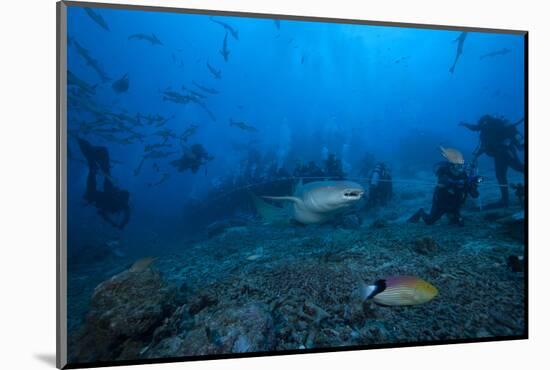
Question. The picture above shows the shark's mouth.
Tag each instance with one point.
(353, 194)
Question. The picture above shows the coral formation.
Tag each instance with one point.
(425, 245)
(124, 311)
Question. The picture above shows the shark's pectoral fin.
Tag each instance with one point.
(292, 199)
(267, 211)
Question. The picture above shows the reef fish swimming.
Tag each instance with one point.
(319, 201)
(121, 85)
(459, 49)
(142, 264)
(452, 155)
(399, 291)
(97, 18)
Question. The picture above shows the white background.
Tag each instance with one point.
(27, 182)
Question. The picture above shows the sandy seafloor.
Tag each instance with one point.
(269, 287)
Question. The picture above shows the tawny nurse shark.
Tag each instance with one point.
(319, 201)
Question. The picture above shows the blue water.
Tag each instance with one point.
(308, 88)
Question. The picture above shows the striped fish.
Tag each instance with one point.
(452, 155)
(399, 291)
(142, 264)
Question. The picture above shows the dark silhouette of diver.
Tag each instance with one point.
(112, 200)
(454, 185)
(519, 191)
(380, 186)
(499, 139)
(192, 159)
(460, 47)
(311, 170)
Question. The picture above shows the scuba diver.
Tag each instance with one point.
(454, 184)
(380, 186)
(311, 170)
(333, 167)
(519, 191)
(112, 200)
(192, 159)
(501, 140)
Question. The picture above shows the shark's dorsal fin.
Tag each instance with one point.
(298, 187)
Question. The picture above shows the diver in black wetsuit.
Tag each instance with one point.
(519, 191)
(308, 172)
(499, 139)
(454, 185)
(380, 186)
(192, 159)
(112, 200)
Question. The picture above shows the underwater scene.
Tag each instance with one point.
(248, 185)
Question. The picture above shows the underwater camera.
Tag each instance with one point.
(224, 191)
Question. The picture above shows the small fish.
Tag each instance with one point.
(97, 18)
(121, 85)
(165, 176)
(195, 93)
(93, 63)
(243, 126)
(216, 73)
(74, 80)
(399, 291)
(176, 97)
(165, 134)
(208, 111)
(460, 47)
(137, 170)
(190, 131)
(206, 89)
(153, 39)
(224, 50)
(277, 23)
(402, 59)
(157, 154)
(227, 27)
(452, 155)
(142, 264)
(150, 147)
(495, 53)
(113, 243)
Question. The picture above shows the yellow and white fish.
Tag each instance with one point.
(142, 264)
(399, 291)
(452, 155)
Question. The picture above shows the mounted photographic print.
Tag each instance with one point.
(235, 184)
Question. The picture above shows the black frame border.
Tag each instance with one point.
(61, 337)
